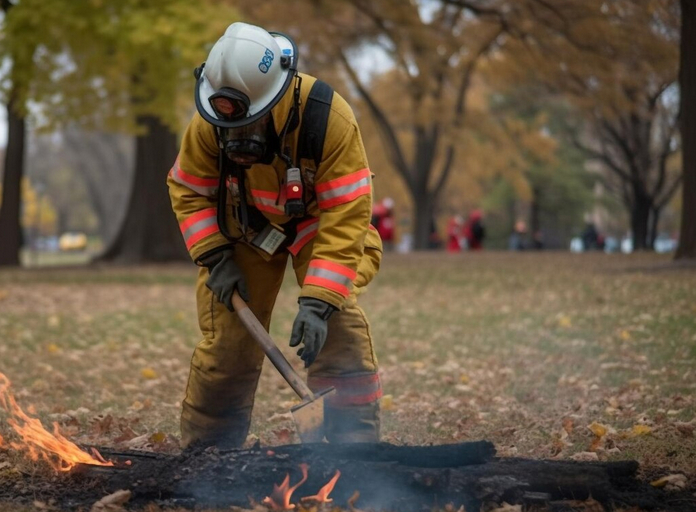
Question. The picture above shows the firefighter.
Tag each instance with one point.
(248, 198)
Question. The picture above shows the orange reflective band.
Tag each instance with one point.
(203, 186)
(350, 389)
(199, 225)
(306, 230)
(267, 201)
(330, 275)
(344, 189)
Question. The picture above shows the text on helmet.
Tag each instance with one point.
(266, 61)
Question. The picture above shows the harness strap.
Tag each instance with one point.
(315, 118)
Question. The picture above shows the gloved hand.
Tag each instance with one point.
(310, 327)
(225, 276)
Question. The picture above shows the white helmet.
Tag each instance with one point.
(247, 72)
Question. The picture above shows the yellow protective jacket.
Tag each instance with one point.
(338, 197)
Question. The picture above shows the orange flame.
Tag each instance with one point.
(38, 443)
(323, 495)
(280, 497)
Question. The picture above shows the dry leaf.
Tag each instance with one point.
(52, 348)
(126, 435)
(148, 373)
(280, 417)
(284, 435)
(506, 507)
(640, 430)
(387, 403)
(598, 429)
(158, 437)
(568, 425)
(112, 501)
(685, 429)
(585, 456)
(670, 482)
(101, 425)
(565, 321)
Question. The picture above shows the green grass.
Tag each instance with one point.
(506, 347)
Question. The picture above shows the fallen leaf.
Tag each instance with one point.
(597, 443)
(281, 417)
(640, 430)
(585, 456)
(387, 403)
(102, 424)
(158, 437)
(4, 294)
(126, 435)
(136, 406)
(564, 321)
(464, 379)
(506, 507)
(53, 321)
(670, 482)
(283, 435)
(112, 501)
(52, 348)
(625, 335)
(568, 425)
(598, 429)
(148, 373)
(685, 429)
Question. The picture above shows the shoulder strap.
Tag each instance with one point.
(314, 121)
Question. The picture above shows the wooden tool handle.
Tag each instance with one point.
(269, 347)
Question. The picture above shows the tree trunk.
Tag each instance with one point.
(640, 220)
(425, 231)
(535, 211)
(687, 84)
(654, 225)
(10, 225)
(150, 232)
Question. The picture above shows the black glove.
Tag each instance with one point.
(310, 327)
(225, 276)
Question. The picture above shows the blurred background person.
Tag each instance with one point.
(517, 240)
(455, 233)
(385, 223)
(474, 231)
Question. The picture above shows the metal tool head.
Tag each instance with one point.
(309, 417)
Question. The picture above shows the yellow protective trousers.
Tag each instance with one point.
(226, 364)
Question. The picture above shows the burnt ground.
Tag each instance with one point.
(387, 477)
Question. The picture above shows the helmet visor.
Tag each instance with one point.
(229, 104)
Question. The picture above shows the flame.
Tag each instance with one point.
(280, 497)
(38, 443)
(323, 495)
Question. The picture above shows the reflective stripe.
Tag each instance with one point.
(333, 276)
(344, 189)
(204, 186)
(306, 230)
(350, 389)
(199, 225)
(266, 201)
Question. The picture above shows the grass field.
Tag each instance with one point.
(546, 355)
